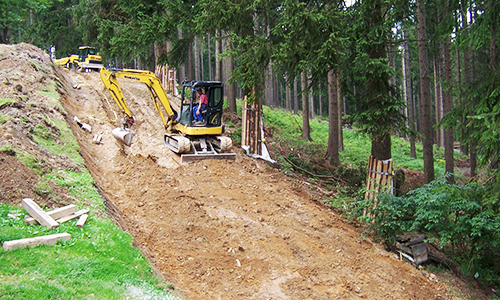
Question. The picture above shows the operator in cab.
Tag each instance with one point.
(203, 102)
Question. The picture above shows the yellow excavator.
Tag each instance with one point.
(88, 58)
(193, 140)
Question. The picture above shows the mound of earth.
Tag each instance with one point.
(214, 229)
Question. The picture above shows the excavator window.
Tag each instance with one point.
(216, 97)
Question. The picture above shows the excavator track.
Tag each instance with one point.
(221, 143)
(178, 143)
(209, 148)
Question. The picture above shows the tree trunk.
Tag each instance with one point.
(437, 100)
(447, 107)
(230, 87)
(409, 94)
(473, 153)
(209, 41)
(425, 99)
(288, 103)
(333, 118)
(218, 58)
(339, 101)
(197, 75)
(311, 98)
(305, 107)
(295, 96)
(464, 147)
(381, 141)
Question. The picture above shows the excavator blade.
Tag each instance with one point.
(200, 156)
(124, 135)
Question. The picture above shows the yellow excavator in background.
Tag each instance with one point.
(87, 59)
(193, 140)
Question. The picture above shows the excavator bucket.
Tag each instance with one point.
(124, 135)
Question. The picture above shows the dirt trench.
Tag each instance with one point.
(227, 229)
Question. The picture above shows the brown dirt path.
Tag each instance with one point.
(228, 229)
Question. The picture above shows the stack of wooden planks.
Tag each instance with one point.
(50, 219)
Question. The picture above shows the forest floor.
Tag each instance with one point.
(214, 229)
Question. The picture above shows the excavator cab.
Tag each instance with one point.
(212, 114)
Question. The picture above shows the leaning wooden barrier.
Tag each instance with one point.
(380, 178)
(251, 127)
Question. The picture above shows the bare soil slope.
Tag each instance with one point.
(224, 229)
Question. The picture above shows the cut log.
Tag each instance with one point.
(82, 220)
(55, 214)
(38, 214)
(73, 216)
(49, 240)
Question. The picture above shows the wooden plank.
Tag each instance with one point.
(55, 214)
(49, 240)
(73, 216)
(38, 214)
(82, 220)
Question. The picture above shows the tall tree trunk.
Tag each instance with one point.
(320, 106)
(218, 58)
(409, 93)
(339, 102)
(230, 87)
(182, 67)
(381, 141)
(473, 153)
(447, 107)
(464, 147)
(295, 96)
(197, 75)
(209, 41)
(333, 119)
(311, 97)
(425, 99)
(288, 104)
(305, 107)
(438, 94)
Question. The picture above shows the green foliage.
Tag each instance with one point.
(4, 118)
(81, 186)
(97, 262)
(65, 142)
(6, 100)
(454, 216)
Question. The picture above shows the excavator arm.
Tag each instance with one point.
(109, 78)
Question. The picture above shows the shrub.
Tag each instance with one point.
(453, 216)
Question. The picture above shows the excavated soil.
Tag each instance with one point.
(216, 229)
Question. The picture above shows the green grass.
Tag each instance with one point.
(357, 145)
(66, 143)
(98, 262)
(6, 100)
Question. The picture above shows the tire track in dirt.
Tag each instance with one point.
(228, 229)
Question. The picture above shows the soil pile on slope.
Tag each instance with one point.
(219, 229)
